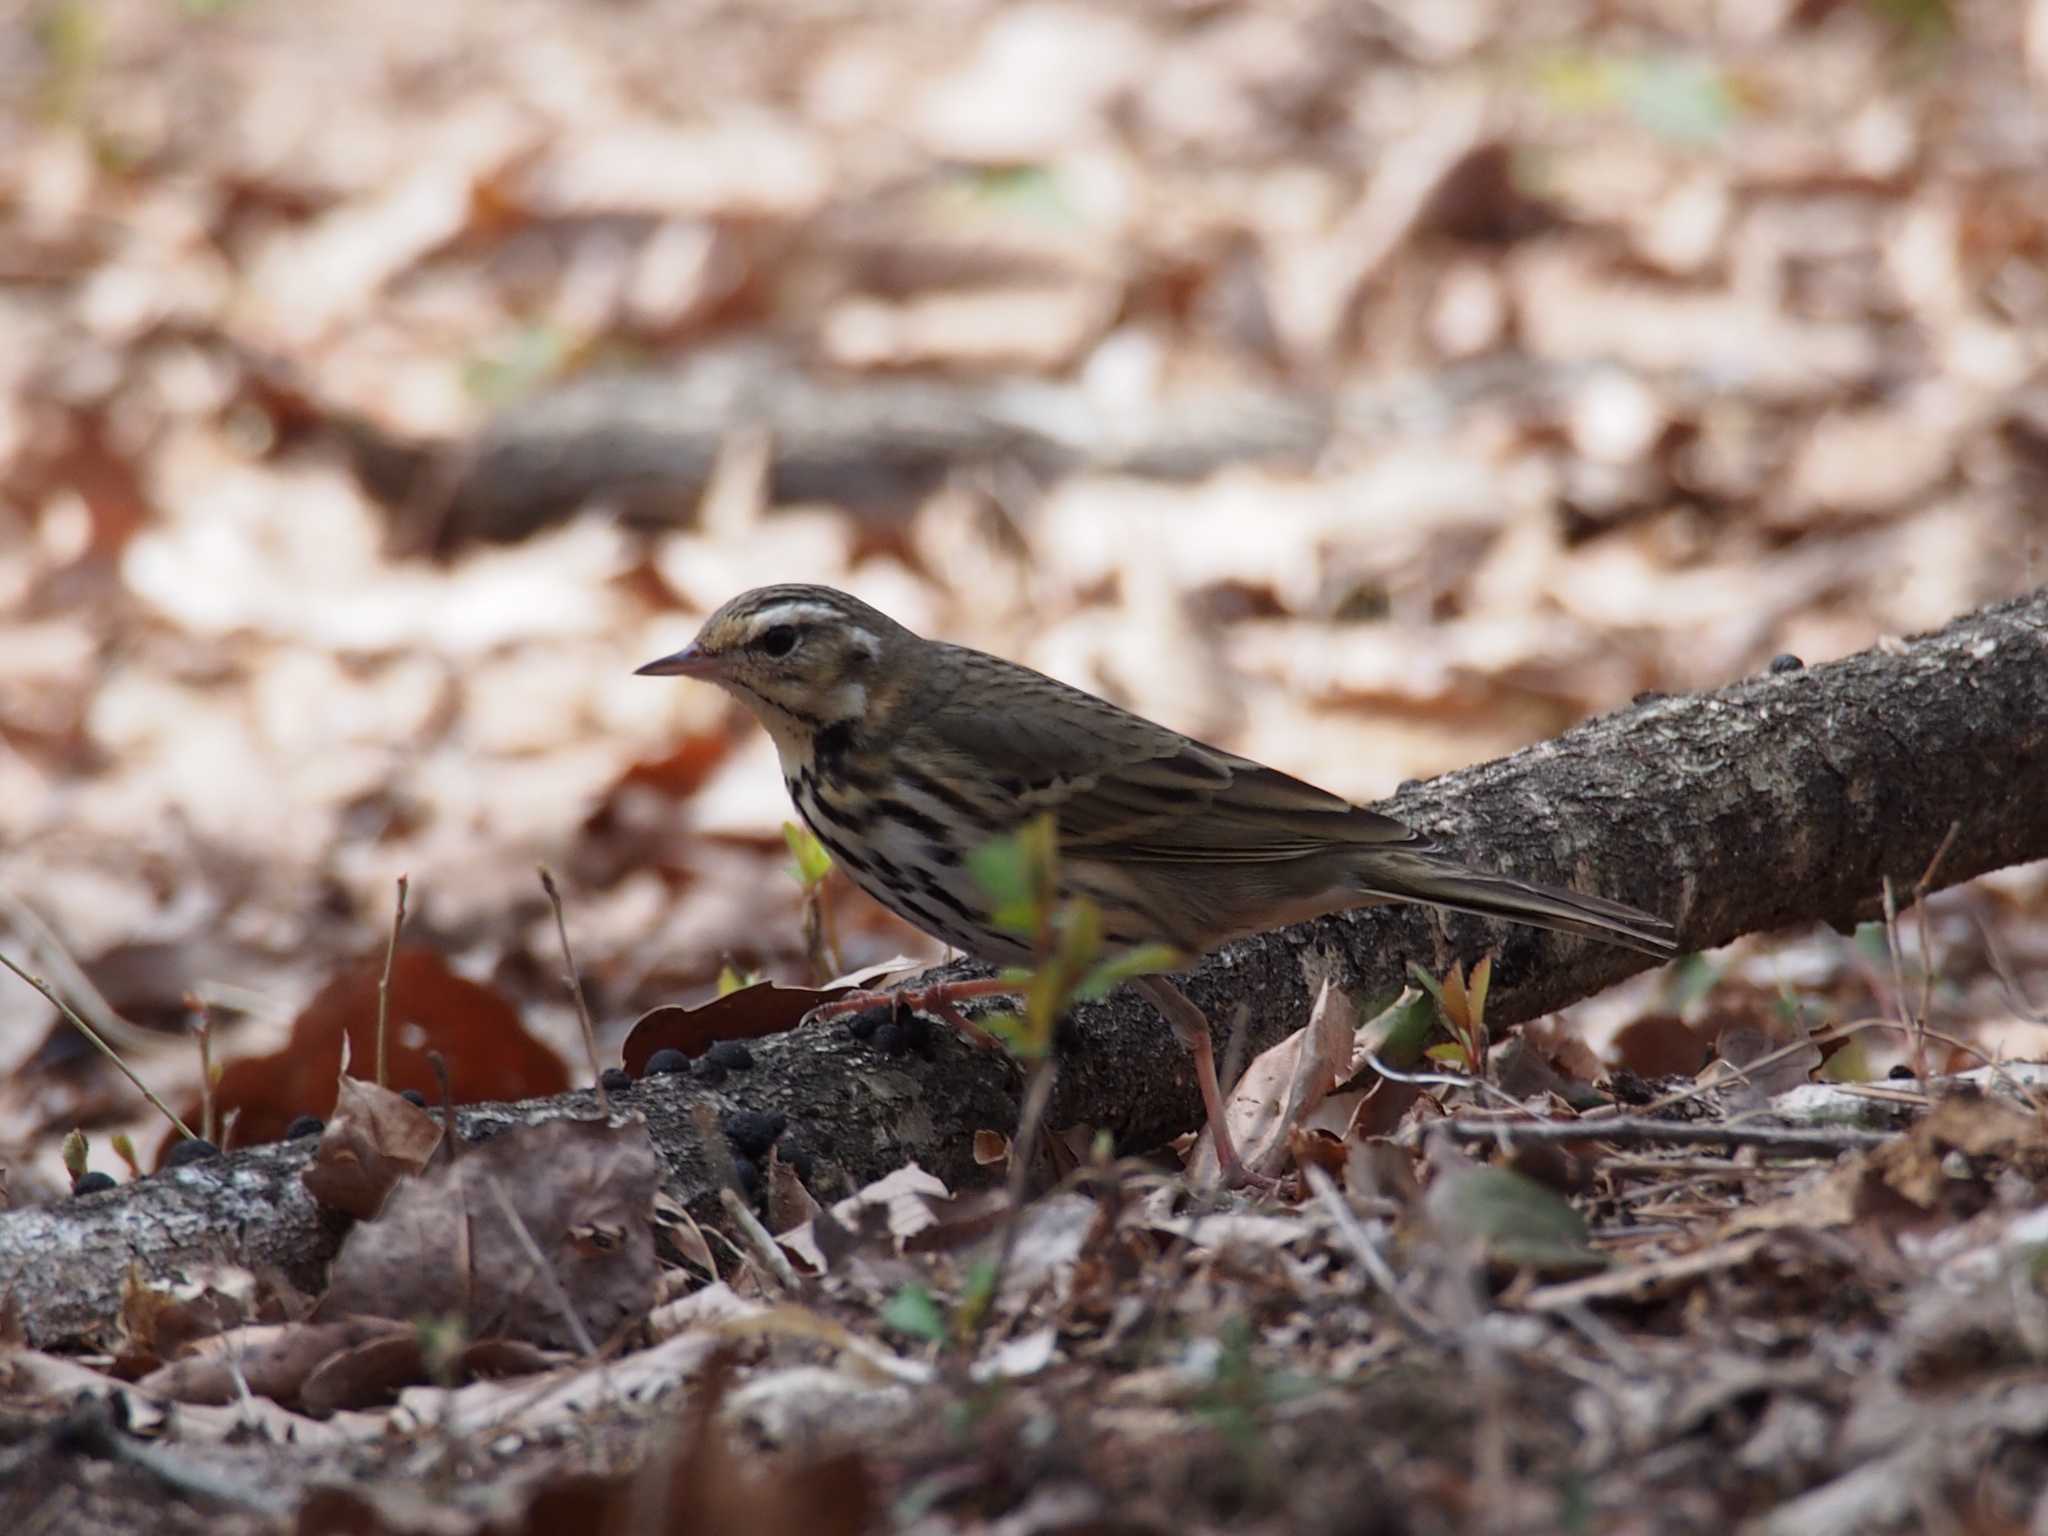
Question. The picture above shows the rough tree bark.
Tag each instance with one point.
(1787, 798)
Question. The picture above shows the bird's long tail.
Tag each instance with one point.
(1440, 881)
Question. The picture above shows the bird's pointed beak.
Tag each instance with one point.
(688, 662)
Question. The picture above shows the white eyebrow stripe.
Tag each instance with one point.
(791, 613)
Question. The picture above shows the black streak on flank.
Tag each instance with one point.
(853, 822)
(840, 852)
(949, 901)
(905, 814)
(941, 793)
(925, 917)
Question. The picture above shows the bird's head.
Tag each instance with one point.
(802, 658)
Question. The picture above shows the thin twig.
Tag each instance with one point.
(384, 987)
(547, 883)
(542, 1267)
(1442, 1080)
(1921, 888)
(2001, 966)
(759, 1243)
(47, 950)
(91, 1034)
(1638, 1133)
(1370, 1259)
(202, 1027)
(1891, 944)
(1037, 1094)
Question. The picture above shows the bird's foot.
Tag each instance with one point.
(941, 1000)
(1191, 1027)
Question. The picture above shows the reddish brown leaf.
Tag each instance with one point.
(1660, 1045)
(490, 1055)
(765, 1008)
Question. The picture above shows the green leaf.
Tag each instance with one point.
(1079, 926)
(1145, 960)
(74, 1153)
(1400, 1032)
(813, 863)
(731, 981)
(1019, 874)
(1514, 1219)
(1427, 982)
(1002, 871)
(976, 1295)
(1451, 1053)
(913, 1311)
(1012, 1028)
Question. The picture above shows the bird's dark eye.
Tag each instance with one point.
(777, 640)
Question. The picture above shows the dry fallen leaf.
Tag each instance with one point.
(1282, 1085)
(542, 1233)
(374, 1138)
(488, 1051)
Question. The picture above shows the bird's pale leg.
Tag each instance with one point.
(1191, 1027)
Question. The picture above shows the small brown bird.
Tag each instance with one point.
(903, 755)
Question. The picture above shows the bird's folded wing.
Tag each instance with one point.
(1123, 787)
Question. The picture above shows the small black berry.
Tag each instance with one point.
(868, 1020)
(731, 1055)
(92, 1183)
(193, 1149)
(753, 1131)
(615, 1079)
(304, 1125)
(891, 1039)
(1787, 662)
(749, 1176)
(413, 1097)
(665, 1061)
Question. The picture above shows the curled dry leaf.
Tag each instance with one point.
(160, 1320)
(446, 1243)
(375, 1138)
(372, 1372)
(789, 1203)
(275, 1360)
(1283, 1085)
(1759, 1068)
(765, 1008)
(903, 1200)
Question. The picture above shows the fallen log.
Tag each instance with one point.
(1783, 799)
